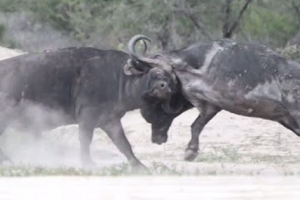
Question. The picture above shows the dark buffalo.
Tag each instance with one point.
(83, 86)
(245, 79)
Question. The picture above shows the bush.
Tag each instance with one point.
(171, 24)
(74, 17)
(2, 30)
(6, 42)
(291, 52)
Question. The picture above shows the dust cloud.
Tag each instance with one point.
(39, 139)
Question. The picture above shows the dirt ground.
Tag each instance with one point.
(229, 145)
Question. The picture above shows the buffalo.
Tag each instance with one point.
(245, 79)
(84, 86)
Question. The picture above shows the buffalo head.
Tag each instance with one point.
(161, 83)
(160, 120)
(164, 101)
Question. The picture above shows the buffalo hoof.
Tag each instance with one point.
(139, 168)
(89, 164)
(190, 155)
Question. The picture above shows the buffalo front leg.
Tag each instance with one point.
(116, 133)
(290, 123)
(207, 112)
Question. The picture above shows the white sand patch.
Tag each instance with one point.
(146, 188)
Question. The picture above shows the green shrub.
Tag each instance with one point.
(2, 30)
(5, 42)
(291, 52)
(74, 17)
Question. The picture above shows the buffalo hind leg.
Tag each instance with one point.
(207, 112)
(8, 111)
(116, 133)
(3, 157)
(87, 124)
(85, 138)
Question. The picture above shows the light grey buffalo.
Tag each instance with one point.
(245, 79)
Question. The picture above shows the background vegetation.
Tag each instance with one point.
(35, 25)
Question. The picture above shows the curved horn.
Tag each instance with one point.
(132, 43)
(134, 55)
(166, 106)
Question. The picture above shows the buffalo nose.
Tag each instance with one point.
(163, 85)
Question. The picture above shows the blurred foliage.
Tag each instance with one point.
(270, 22)
(291, 52)
(173, 23)
(76, 17)
(6, 42)
(2, 30)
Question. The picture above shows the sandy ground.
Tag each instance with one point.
(156, 188)
(230, 145)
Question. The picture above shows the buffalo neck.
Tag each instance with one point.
(131, 90)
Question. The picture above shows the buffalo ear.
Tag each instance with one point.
(129, 69)
(135, 67)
